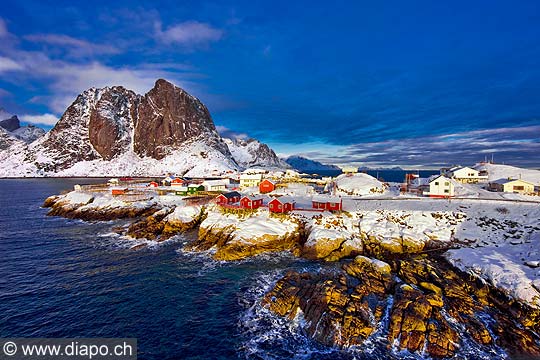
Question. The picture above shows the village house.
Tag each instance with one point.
(251, 202)
(267, 186)
(153, 184)
(516, 186)
(178, 182)
(326, 202)
(167, 181)
(282, 204)
(118, 191)
(349, 170)
(228, 198)
(250, 180)
(194, 188)
(214, 185)
(464, 174)
(440, 187)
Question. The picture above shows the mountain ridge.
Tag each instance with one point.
(113, 131)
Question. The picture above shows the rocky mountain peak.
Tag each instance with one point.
(10, 123)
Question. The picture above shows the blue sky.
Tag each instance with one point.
(416, 83)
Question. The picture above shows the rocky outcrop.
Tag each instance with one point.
(83, 207)
(420, 305)
(167, 117)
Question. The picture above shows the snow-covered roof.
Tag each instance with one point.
(321, 198)
(194, 185)
(232, 194)
(181, 188)
(214, 183)
(506, 181)
(285, 199)
(435, 177)
(252, 197)
(251, 177)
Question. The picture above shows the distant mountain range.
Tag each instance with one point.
(303, 164)
(11, 124)
(113, 132)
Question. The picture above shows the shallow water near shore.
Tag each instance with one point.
(69, 278)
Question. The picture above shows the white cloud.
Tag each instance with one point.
(6, 64)
(44, 119)
(189, 34)
(75, 47)
(230, 134)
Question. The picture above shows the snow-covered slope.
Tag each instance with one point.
(496, 171)
(250, 152)
(306, 165)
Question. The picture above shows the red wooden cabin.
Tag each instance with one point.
(329, 203)
(281, 205)
(228, 198)
(153, 184)
(118, 191)
(267, 186)
(251, 202)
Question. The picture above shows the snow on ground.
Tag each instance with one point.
(496, 171)
(511, 267)
(252, 228)
(184, 214)
(358, 184)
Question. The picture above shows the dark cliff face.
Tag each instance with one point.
(167, 117)
(11, 124)
(111, 123)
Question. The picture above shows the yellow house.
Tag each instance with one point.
(250, 180)
(516, 186)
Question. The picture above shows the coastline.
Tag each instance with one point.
(369, 233)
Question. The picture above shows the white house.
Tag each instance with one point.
(214, 185)
(516, 186)
(440, 187)
(465, 175)
(250, 180)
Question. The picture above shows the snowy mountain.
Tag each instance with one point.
(250, 152)
(115, 132)
(11, 124)
(306, 165)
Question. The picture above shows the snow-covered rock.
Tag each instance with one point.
(358, 184)
(497, 171)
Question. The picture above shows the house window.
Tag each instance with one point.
(436, 183)
(518, 188)
(279, 207)
(271, 206)
(447, 184)
(446, 191)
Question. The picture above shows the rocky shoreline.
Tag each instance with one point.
(394, 287)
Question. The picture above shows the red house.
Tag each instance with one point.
(228, 198)
(267, 186)
(178, 182)
(281, 204)
(330, 203)
(118, 191)
(153, 184)
(251, 202)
